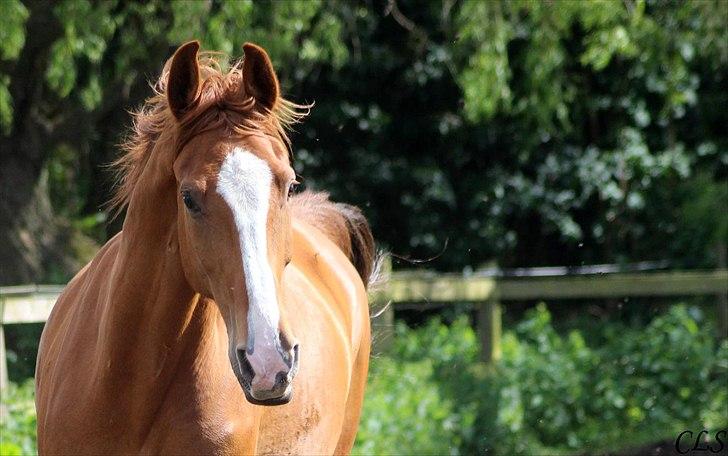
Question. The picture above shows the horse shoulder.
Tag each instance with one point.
(322, 261)
(68, 337)
(332, 322)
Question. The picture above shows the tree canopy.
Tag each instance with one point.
(516, 132)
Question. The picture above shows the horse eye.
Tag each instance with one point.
(190, 202)
(292, 188)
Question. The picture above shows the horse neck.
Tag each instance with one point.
(150, 318)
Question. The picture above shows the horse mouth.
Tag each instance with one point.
(281, 400)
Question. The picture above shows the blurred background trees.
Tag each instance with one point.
(520, 133)
(506, 132)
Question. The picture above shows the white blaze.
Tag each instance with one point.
(244, 183)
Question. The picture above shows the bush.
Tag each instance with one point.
(17, 430)
(640, 386)
(404, 409)
(550, 393)
(542, 381)
(414, 399)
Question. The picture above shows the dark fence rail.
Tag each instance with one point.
(427, 290)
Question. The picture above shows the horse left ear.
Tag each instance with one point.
(259, 78)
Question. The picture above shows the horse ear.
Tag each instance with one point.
(184, 79)
(259, 78)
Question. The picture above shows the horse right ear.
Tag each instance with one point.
(259, 78)
(184, 79)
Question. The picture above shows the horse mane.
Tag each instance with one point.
(343, 224)
(222, 102)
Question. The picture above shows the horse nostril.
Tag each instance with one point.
(295, 354)
(246, 370)
(281, 380)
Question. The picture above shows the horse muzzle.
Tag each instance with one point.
(266, 374)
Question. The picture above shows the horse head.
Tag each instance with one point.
(234, 180)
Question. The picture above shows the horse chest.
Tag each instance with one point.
(310, 424)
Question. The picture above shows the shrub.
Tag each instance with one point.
(17, 429)
(671, 376)
(551, 393)
(641, 385)
(542, 381)
(413, 400)
(405, 410)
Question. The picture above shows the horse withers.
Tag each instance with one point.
(225, 292)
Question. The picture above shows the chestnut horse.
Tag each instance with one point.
(223, 294)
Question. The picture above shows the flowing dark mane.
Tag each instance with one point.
(222, 103)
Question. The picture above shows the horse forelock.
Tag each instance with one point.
(221, 103)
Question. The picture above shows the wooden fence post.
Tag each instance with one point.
(3, 358)
(722, 326)
(489, 330)
(3, 363)
(722, 298)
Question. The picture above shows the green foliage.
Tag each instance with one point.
(645, 383)
(424, 422)
(12, 39)
(485, 79)
(6, 105)
(177, 22)
(606, 89)
(698, 208)
(543, 378)
(520, 131)
(17, 430)
(551, 393)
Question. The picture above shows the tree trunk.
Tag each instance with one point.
(30, 234)
(33, 242)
